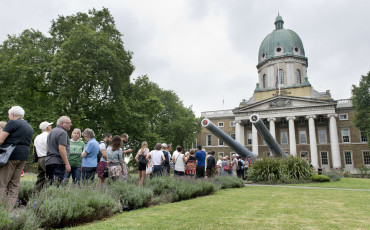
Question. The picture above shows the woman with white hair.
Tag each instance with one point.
(20, 132)
(89, 156)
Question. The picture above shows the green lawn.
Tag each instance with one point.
(255, 208)
(354, 183)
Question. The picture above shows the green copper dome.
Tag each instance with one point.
(280, 42)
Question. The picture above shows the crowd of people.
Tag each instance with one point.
(60, 157)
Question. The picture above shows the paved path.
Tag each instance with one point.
(287, 186)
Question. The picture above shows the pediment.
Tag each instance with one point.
(283, 102)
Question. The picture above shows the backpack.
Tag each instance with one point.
(239, 167)
(100, 155)
(167, 159)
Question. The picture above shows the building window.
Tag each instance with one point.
(302, 137)
(281, 77)
(347, 157)
(345, 135)
(232, 123)
(209, 140)
(249, 140)
(324, 158)
(284, 137)
(363, 137)
(232, 135)
(283, 121)
(301, 120)
(221, 154)
(220, 124)
(220, 142)
(343, 116)
(366, 155)
(264, 81)
(322, 136)
(298, 74)
(320, 119)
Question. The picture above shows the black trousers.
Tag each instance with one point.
(200, 171)
(55, 172)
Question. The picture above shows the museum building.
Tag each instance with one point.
(305, 122)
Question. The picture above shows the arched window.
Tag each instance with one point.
(264, 81)
(298, 73)
(281, 77)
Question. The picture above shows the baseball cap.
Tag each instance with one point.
(44, 125)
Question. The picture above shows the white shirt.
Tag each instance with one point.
(219, 162)
(102, 146)
(40, 144)
(156, 155)
(180, 164)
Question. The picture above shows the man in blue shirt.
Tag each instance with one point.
(201, 162)
(89, 156)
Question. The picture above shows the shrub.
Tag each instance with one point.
(363, 170)
(284, 170)
(298, 168)
(70, 205)
(160, 185)
(25, 191)
(225, 182)
(184, 189)
(180, 188)
(131, 195)
(20, 218)
(320, 178)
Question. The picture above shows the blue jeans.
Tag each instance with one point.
(76, 174)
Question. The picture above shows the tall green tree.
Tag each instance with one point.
(361, 102)
(82, 70)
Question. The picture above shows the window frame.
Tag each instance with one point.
(343, 136)
(345, 158)
(234, 135)
(281, 137)
(363, 137)
(281, 77)
(318, 135)
(367, 159)
(298, 76)
(208, 141)
(327, 157)
(232, 123)
(341, 118)
(220, 141)
(305, 136)
(251, 138)
(219, 124)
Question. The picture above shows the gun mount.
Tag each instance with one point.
(239, 149)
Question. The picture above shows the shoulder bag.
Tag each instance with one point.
(142, 159)
(6, 152)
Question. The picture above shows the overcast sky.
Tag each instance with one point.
(206, 50)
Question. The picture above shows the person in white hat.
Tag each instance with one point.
(40, 147)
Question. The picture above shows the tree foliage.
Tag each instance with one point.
(82, 70)
(361, 102)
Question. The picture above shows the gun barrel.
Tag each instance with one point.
(239, 149)
(266, 135)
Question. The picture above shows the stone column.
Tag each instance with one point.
(254, 140)
(292, 142)
(239, 132)
(334, 142)
(313, 144)
(272, 126)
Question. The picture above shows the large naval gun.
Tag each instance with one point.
(239, 149)
(266, 136)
